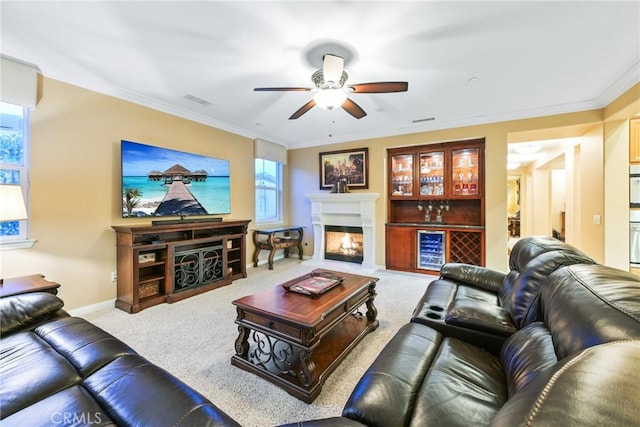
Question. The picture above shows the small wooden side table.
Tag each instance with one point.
(272, 239)
(27, 284)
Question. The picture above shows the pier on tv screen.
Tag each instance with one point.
(158, 182)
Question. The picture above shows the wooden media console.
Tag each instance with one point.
(169, 262)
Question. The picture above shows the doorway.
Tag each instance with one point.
(513, 209)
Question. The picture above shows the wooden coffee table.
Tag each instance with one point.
(294, 340)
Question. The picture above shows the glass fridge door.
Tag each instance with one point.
(431, 249)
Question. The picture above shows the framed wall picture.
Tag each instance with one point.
(350, 164)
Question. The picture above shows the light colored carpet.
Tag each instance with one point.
(194, 340)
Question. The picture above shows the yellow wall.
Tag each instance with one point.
(75, 180)
(75, 183)
(616, 176)
(303, 169)
(591, 194)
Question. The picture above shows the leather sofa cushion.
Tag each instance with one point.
(136, 389)
(585, 305)
(70, 406)
(30, 369)
(385, 394)
(465, 386)
(480, 317)
(477, 295)
(594, 387)
(86, 346)
(527, 353)
(19, 311)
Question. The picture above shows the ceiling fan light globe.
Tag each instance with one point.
(330, 98)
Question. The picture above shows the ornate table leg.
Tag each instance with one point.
(256, 251)
(372, 311)
(272, 251)
(242, 343)
(307, 374)
(300, 234)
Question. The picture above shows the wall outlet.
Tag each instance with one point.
(114, 276)
(596, 219)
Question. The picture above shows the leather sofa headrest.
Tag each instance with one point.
(589, 304)
(530, 247)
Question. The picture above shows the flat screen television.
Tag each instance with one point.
(160, 182)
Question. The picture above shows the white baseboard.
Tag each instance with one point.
(343, 266)
(109, 304)
(277, 257)
(104, 305)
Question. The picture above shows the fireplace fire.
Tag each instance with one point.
(343, 243)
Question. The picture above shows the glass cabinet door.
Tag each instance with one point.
(465, 168)
(402, 175)
(432, 173)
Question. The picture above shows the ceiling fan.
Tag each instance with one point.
(331, 91)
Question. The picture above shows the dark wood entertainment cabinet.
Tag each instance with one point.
(169, 262)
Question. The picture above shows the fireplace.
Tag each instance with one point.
(346, 210)
(343, 243)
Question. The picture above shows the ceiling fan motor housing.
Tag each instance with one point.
(318, 80)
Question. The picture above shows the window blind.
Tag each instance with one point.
(18, 83)
(270, 151)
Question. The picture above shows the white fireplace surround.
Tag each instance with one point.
(344, 209)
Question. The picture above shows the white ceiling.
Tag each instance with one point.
(466, 62)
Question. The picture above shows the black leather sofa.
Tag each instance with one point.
(483, 306)
(576, 364)
(61, 370)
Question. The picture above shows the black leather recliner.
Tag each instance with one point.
(484, 306)
(576, 366)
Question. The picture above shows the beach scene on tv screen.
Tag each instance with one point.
(163, 182)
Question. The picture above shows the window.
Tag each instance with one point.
(14, 150)
(268, 190)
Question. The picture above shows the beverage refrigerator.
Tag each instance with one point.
(431, 249)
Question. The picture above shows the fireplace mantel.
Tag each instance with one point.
(347, 209)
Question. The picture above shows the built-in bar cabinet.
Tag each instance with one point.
(435, 209)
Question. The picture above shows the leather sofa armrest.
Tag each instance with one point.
(473, 275)
(23, 311)
(480, 317)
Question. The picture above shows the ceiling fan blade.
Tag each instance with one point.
(354, 109)
(380, 87)
(282, 89)
(306, 107)
(332, 67)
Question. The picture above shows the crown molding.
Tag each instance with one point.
(628, 79)
(620, 86)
